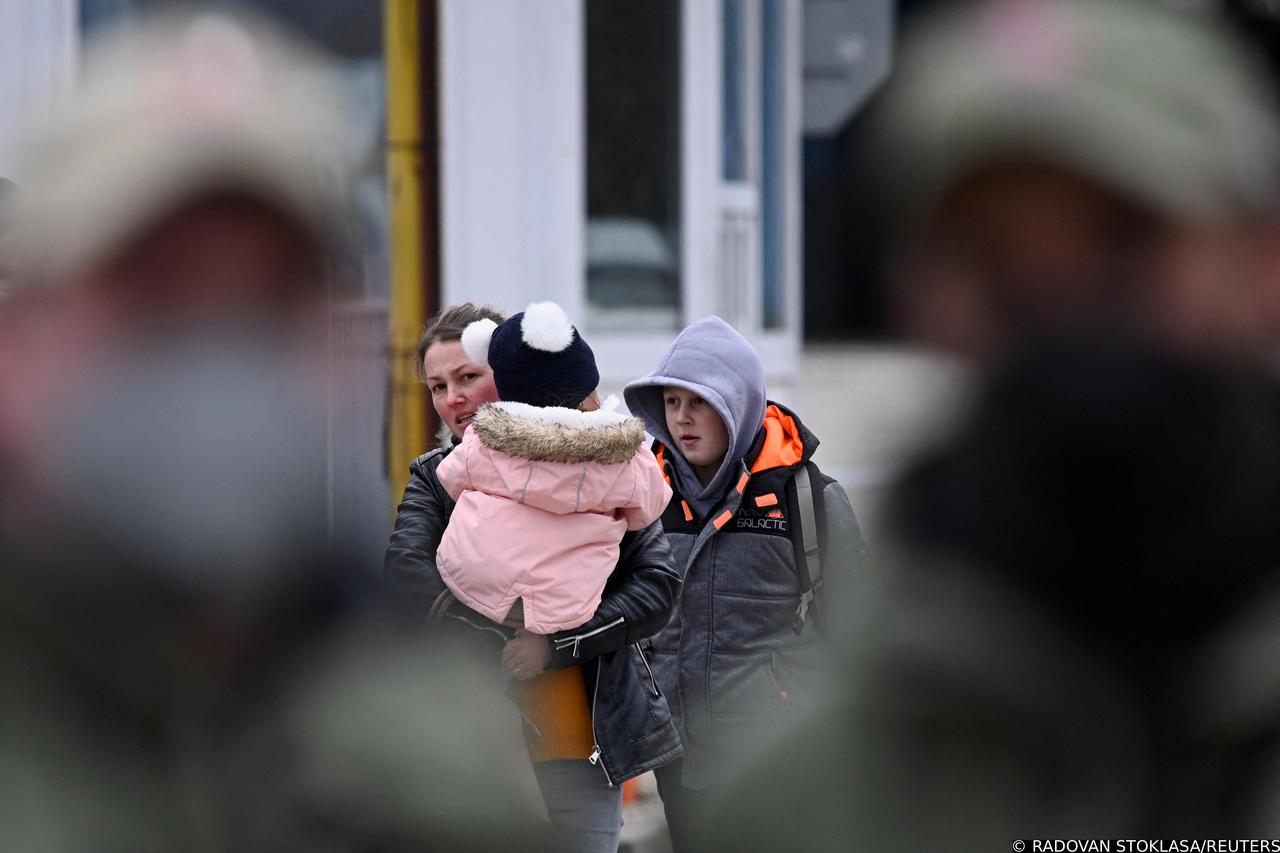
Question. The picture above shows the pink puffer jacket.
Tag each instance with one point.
(544, 496)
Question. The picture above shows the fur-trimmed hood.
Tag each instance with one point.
(543, 497)
(554, 434)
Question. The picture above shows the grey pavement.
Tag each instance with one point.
(644, 829)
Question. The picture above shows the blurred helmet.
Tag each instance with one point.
(1162, 106)
(173, 108)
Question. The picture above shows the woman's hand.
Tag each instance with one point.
(526, 656)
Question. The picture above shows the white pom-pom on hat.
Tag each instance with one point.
(475, 340)
(546, 327)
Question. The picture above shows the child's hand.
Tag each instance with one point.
(527, 655)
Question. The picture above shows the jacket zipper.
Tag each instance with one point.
(596, 756)
(574, 641)
(645, 661)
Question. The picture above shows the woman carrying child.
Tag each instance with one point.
(594, 716)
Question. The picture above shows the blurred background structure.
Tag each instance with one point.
(643, 163)
(639, 163)
(190, 655)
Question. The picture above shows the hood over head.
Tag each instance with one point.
(711, 359)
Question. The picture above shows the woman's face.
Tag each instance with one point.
(457, 384)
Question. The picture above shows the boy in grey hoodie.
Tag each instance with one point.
(738, 650)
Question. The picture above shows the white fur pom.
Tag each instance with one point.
(475, 340)
(545, 327)
(610, 404)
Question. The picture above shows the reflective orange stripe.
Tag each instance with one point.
(688, 513)
(777, 513)
(723, 519)
(742, 482)
(767, 500)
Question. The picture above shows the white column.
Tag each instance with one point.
(700, 162)
(512, 152)
(780, 348)
(792, 157)
(39, 40)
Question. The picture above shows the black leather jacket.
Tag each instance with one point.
(631, 720)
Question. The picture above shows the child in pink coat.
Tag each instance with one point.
(546, 481)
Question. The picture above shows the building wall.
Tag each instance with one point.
(511, 152)
(513, 166)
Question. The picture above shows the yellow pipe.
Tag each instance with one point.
(407, 428)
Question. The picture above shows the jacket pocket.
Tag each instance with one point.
(783, 681)
(642, 707)
(648, 670)
(799, 672)
(755, 566)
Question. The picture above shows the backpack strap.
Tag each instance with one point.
(808, 547)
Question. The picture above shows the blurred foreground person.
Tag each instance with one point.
(1074, 636)
(180, 668)
(1059, 165)
(1071, 631)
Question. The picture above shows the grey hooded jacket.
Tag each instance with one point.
(730, 659)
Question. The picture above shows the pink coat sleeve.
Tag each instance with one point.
(651, 492)
(452, 470)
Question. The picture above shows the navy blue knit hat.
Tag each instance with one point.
(537, 357)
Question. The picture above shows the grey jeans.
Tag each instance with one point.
(586, 814)
(687, 811)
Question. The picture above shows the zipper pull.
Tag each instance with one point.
(595, 754)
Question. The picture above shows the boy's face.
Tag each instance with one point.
(696, 429)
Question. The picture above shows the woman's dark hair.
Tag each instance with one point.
(448, 326)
